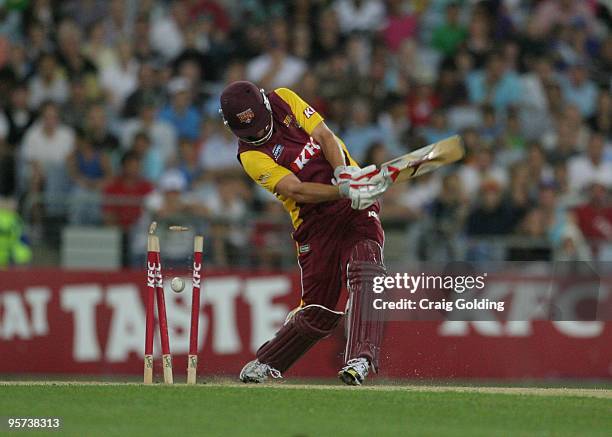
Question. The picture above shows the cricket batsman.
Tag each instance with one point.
(285, 146)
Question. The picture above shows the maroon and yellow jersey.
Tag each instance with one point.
(291, 149)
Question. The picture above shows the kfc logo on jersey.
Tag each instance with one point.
(311, 150)
(309, 112)
(246, 116)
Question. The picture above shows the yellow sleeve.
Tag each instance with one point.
(263, 169)
(306, 115)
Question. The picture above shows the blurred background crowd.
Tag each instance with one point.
(108, 119)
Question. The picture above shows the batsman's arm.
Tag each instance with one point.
(306, 192)
(279, 180)
(332, 150)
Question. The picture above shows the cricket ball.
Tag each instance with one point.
(177, 284)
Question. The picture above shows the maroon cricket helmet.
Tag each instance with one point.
(246, 111)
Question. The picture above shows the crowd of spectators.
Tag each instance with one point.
(108, 114)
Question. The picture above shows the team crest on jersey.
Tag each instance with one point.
(246, 116)
(287, 121)
(309, 112)
(277, 150)
(311, 150)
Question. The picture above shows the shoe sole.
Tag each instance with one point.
(250, 381)
(348, 378)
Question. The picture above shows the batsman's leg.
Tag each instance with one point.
(365, 325)
(299, 333)
(320, 261)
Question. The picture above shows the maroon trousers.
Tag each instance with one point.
(325, 244)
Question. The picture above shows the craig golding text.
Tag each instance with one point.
(438, 305)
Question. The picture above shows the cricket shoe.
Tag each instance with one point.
(355, 371)
(256, 372)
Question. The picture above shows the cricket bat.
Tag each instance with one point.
(426, 159)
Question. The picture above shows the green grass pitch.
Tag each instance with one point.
(223, 409)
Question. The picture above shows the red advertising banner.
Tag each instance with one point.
(63, 322)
